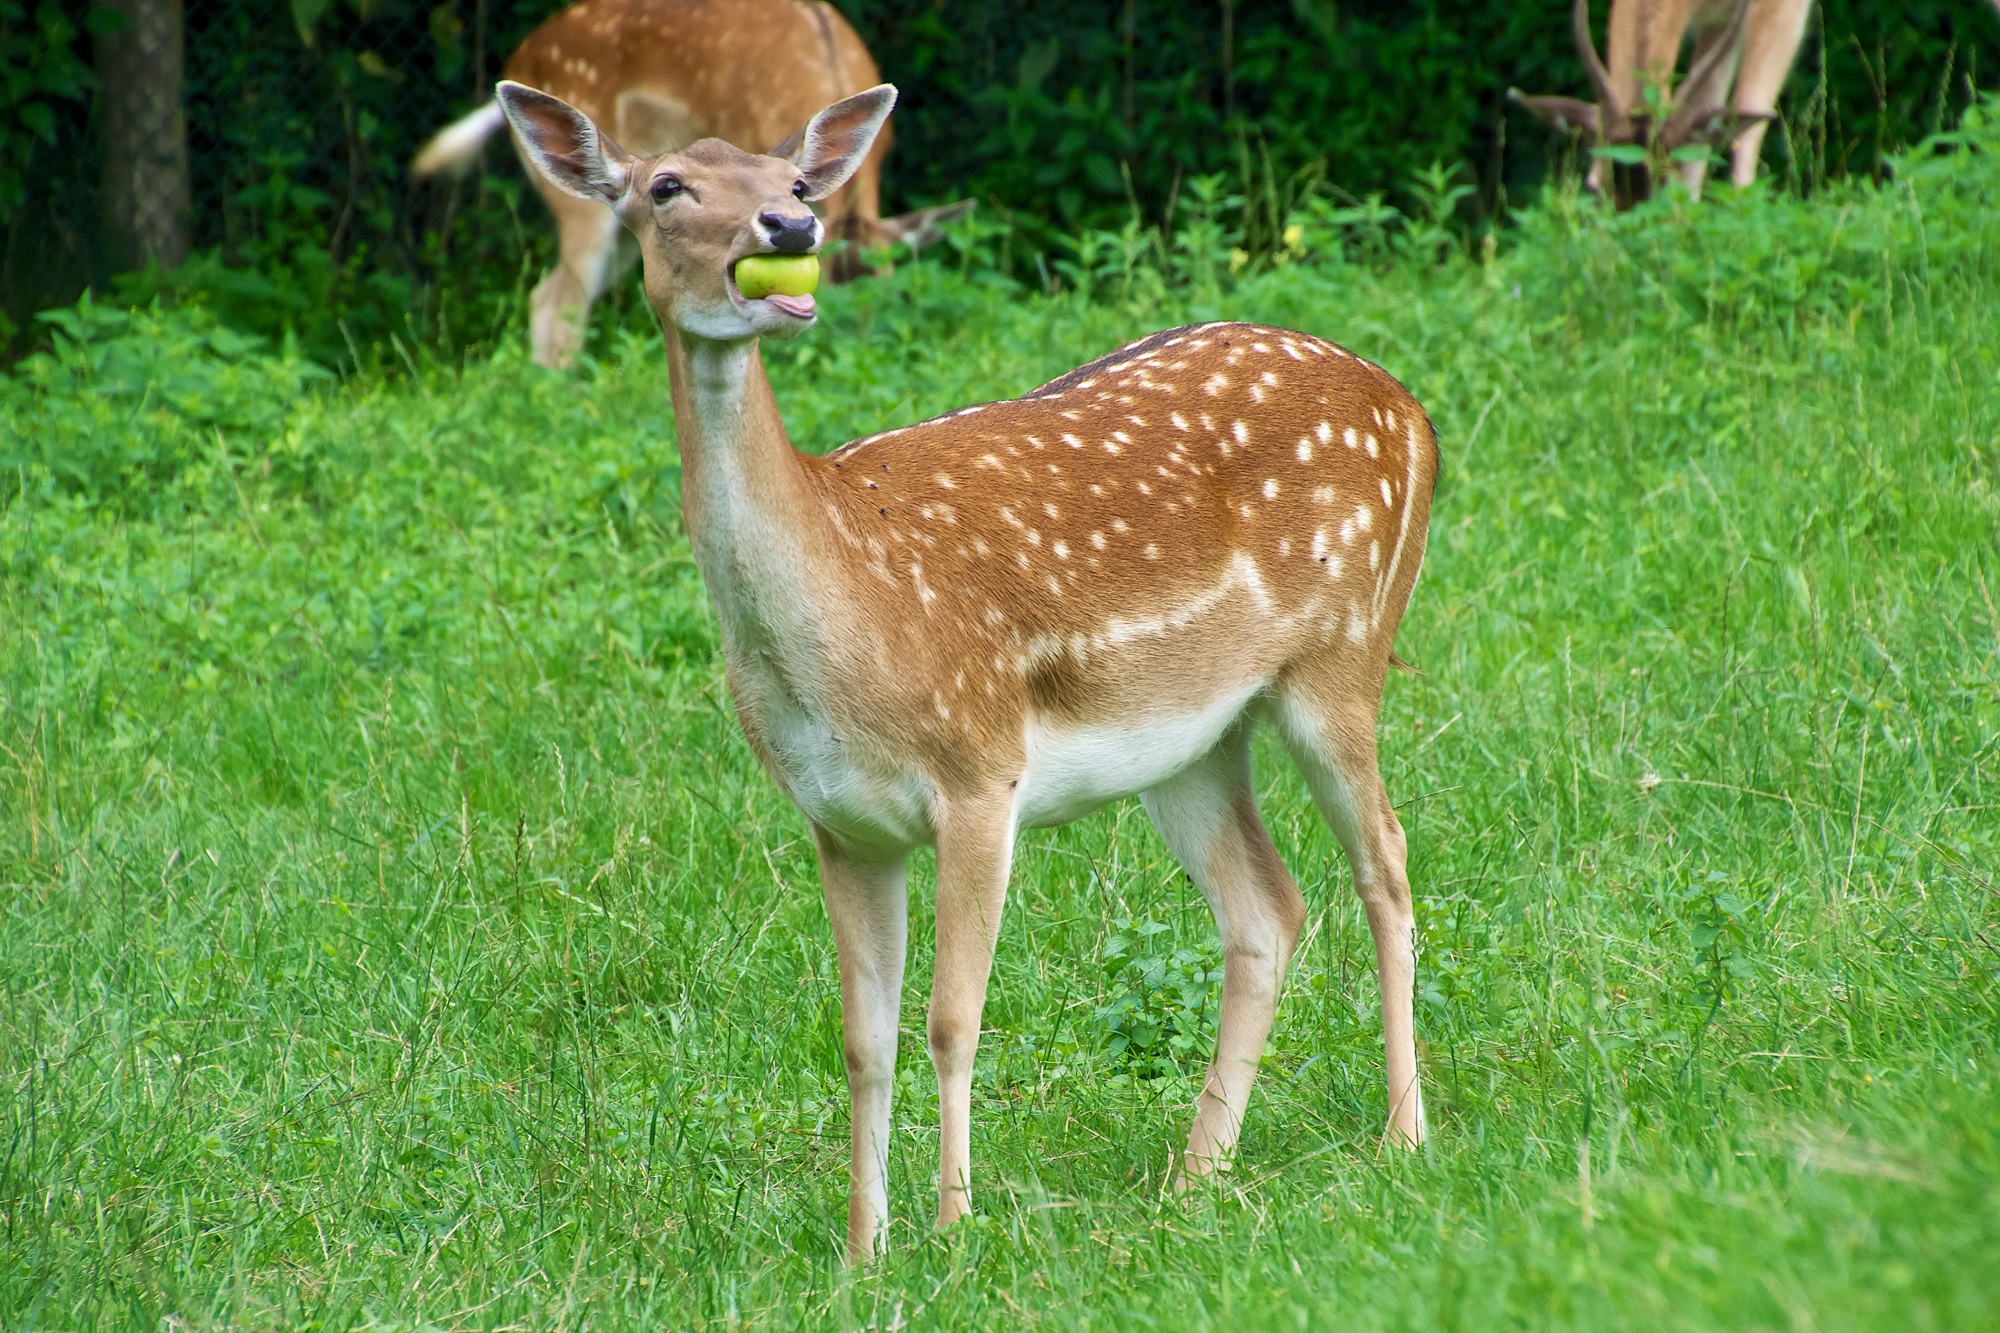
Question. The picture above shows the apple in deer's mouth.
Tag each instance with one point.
(785, 281)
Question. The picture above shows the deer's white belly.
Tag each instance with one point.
(1071, 772)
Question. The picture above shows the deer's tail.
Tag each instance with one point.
(455, 146)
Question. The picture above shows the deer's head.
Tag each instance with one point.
(698, 212)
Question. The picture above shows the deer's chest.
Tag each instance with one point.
(838, 783)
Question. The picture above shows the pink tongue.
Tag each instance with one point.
(801, 306)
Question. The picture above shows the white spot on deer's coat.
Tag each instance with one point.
(1364, 518)
(1374, 449)
(1097, 540)
(1241, 432)
(1357, 627)
(1351, 437)
(1323, 494)
(1374, 555)
(1180, 422)
(1270, 488)
(1305, 450)
(1215, 384)
(1388, 496)
(1061, 548)
(945, 481)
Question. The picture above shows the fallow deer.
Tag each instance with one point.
(662, 74)
(1013, 614)
(1743, 49)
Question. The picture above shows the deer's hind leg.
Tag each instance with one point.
(1328, 722)
(1208, 817)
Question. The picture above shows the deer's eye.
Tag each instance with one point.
(799, 190)
(665, 188)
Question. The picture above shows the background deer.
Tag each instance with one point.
(1743, 49)
(662, 74)
(1010, 615)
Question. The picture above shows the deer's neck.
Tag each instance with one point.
(744, 498)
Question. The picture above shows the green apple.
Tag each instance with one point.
(759, 276)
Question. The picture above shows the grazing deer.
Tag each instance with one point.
(1010, 615)
(1743, 49)
(662, 74)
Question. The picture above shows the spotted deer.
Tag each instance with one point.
(662, 74)
(1743, 49)
(1010, 615)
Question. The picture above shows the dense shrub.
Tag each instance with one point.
(126, 400)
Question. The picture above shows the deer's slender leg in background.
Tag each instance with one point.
(587, 245)
(1769, 47)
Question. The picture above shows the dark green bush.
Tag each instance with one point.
(127, 399)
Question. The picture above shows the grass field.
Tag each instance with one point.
(397, 931)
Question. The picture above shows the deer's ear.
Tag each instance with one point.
(563, 144)
(1562, 113)
(834, 143)
(926, 225)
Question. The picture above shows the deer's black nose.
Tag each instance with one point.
(789, 235)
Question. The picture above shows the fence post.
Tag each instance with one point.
(145, 135)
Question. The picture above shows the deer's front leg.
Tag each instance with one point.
(974, 852)
(866, 901)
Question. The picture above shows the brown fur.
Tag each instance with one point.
(1146, 515)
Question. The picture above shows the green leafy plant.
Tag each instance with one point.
(125, 400)
(1160, 1021)
(39, 66)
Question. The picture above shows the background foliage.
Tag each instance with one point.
(304, 113)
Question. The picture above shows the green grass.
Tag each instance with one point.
(398, 932)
